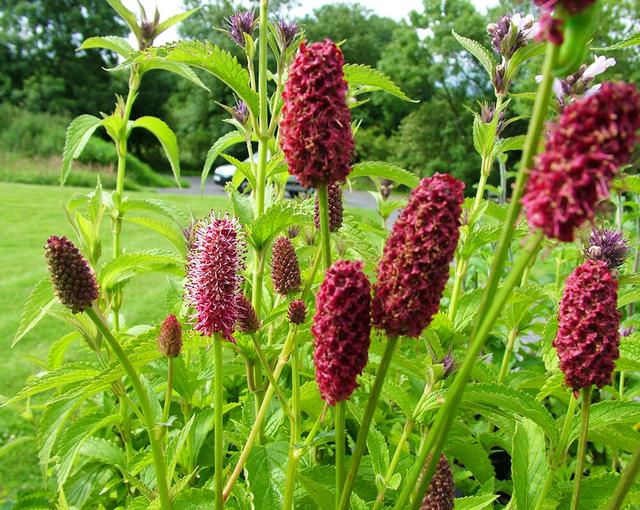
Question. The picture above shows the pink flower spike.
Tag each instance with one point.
(214, 262)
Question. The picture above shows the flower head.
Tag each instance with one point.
(341, 328)
(297, 312)
(241, 23)
(336, 209)
(607, 245)
(285, 269)
(248, 321)
(73, 279)
(315, 130)
(580, 82)
(510, 33)
(592, 139)
(440, 494)
(588, 333)
(240, 111)
(415, 263)
(287, 32)
(214, 263)
(170, 337)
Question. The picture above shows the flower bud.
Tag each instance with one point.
(297, 313)
(285, 269)
(607, 245)
(440, 494)
(241, 23)
(73, 279)
(248, 321)
(336, 209)
(170, 337)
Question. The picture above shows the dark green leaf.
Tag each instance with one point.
(167, 139)
(385, 171)
(40, 301)
(266, 468)
(78, 134)
(363, 78)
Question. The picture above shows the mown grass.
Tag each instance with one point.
(28, 215)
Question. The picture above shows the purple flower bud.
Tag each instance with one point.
(287, 32)
(607, 245)
(285, 269)
(624, 332)
(440, 495)
(240, 112)
(248, 321)
(510, 33)
(336, 209)
(241, 23)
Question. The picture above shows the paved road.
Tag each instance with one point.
(352, 198)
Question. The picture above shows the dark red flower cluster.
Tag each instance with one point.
(73, 279)
(415, 263)
(297, 312)
(589, 322)
(341, 328)
(571, 6)
(248, 321)
(285, 269)
(593, 138)
(315, 130)
(336, 208)
(440, 495)
(170, 337)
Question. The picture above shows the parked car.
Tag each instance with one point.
(294, 188)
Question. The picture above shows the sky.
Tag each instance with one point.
(397, 9)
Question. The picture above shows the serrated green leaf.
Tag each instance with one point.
(266, 468)
(221, 64)
(386, 171)
(364, 78)
(520, 56)
(629, 353)
(509, 402)
(58, 348)
(126, 15)
(108, 42)
(102, 450)
(167, 139)
(514, 143)
(40, 301)
(222, 144)
(634, 40)
(176, 445)
(596, 492)
(481, 54)
(150, 64)
(528, 464)
(167, 230)
(608, 413)
(463, 447)
(277, 217)
(628, 297)
(244, 171)
(322, 495)
(9, 446)
(73, 438)
(475, 502)
(242, 207)
(52, 422)
(161, 207)
(194, 499)
(126, 266)
(78, 134)
(174, 20)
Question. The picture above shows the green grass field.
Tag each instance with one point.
(28, 215)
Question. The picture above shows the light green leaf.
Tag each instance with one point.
(356, 239)
(161, 207)
(167, 230)
(629, 353)
(244, 171)
(475, 502)
(596, 492)
(40, 301)
(166, 137)
(528, 464)
(174, 20)
(222, 144)
(193, 499)
(322, 495)
(118, 44)
(78, 134)
(173, 67)
(104, 451)
(628, 297)
(126, 15)
(276, 218)
(605, 414)
(242, 206)
(73, 438)
(9, 446)
(386, 171)
(478, 51)
(515, 143)
(221, 64)
(634, 40)
(363, 78)
(58, 348)
(266, 468)
(128, 265)
(509, 402)
(176, 446)
(51, 424)
(520, 56)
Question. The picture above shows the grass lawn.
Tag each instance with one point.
(28, 215)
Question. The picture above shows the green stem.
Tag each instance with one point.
(447, 413)
(168, 394)
(267, 370)
(262, 412)
(293, 459)
(626, 480)
(145, 406)
(461, 269)
(582, 446)
(340, 447)
(372, 403)
(558, 457)
(312, 274)
(218, 427)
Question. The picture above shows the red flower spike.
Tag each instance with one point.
(415, 263)
(297, 312)
(341, 328)
(440, 495)
(336, 208)
(315, 130)
(214, 262)
(588, 332)
(170, 337)
(285, 269)
(73, 279)
(594, 136)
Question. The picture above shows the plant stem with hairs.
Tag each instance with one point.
(582, 446)
(218, 403)
(145, 406)
(493, 297)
